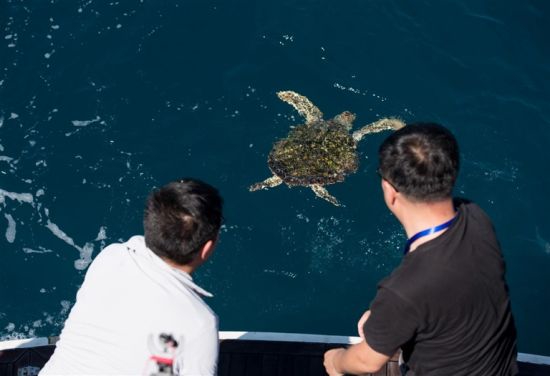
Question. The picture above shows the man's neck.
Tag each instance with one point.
(189, 269)
(421, 216)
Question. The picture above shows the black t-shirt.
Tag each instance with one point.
(447, 305)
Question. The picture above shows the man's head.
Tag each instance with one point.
(420, 161)
(181, 218)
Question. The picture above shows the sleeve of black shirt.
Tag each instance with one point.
(391, 324)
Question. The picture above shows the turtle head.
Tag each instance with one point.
(346, 119)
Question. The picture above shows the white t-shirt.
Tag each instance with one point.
(129, 297)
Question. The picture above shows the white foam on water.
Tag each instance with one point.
(326, 242)
(1, 119)
(102, 234)
(68, 134)
(5, 158)
(303, 217)
(11, 230)
(28, 328)
(226, 228)
(14, 336)
(85, 257)
(1, 147)
(39, 250)
(541, 242)
(507, 172)
(65, 306)
(283, 273)
(21, 197)
(13, 115)
(358, 91)
(85, 252)
(84, 123)
(60, 234)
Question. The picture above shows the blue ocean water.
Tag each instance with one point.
(102, 101)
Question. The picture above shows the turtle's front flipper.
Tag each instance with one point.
(322, 192)
(267, 183)
(302, 105)
(386, 124)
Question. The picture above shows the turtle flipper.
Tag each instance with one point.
(302, 105)
(322, 192)
(385, 124)
(267, 183)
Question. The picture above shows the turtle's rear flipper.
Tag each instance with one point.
(302, 105)
(267, 183)
(322, 192)
(386, 124)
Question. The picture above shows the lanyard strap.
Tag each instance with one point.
(428, 231)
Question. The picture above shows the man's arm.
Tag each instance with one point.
(359, 358)
(356, 359)
(199, 355)
(383, 325)
(361, 324)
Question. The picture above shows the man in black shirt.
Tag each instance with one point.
(446, 306)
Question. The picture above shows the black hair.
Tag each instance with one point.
(420, 160)
(180, 218)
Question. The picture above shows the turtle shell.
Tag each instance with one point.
(319, 153)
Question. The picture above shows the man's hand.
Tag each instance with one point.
(356, 360)
(361, 324)
(330, 356)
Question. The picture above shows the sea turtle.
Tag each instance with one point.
(319, 152)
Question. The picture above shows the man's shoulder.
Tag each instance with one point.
(471, 210)
(417, 274)
(116, 250)
(114, 258)
(478, 224)
(404, 278)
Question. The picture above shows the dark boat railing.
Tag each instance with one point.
(243, 354)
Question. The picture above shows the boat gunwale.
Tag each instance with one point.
(257, 336)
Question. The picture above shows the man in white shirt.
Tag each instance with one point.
(138, 309)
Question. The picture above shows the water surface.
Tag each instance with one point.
(102, 101)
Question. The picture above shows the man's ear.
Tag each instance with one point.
(389, 193)
(207, 249)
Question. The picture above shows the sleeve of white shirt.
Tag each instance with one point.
(198, 355)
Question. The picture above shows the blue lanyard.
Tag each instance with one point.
(427, 232)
